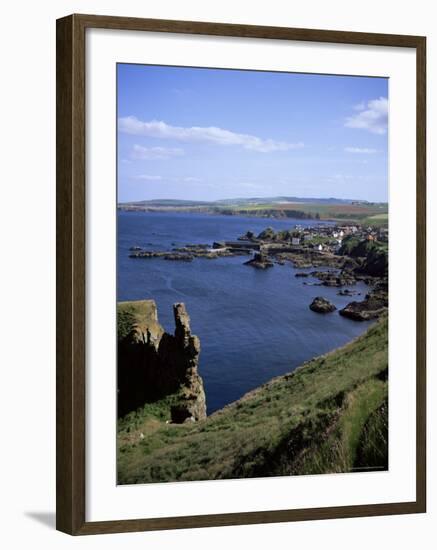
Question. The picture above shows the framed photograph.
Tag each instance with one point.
(240, 274)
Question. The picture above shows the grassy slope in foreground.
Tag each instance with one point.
(329, 415)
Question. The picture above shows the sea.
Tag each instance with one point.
(253, 324)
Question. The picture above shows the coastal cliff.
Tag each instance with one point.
(154, 365)
(329, 415)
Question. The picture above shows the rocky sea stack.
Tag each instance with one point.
(153, 364)
(322, 305)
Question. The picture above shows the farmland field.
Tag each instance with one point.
(323, 209)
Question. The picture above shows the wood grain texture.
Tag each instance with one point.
(70, 259)
(71, 270)
(421, 275)
(246, 31)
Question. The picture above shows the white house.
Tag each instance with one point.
(295, 240)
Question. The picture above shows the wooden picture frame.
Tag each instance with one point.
(71, 253)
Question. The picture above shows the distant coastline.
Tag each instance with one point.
(331, 209)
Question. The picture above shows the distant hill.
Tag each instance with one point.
(252, 200)
(242, 201)
(354, 211)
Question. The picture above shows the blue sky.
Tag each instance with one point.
(207, 134)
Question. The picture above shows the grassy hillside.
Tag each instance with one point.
(377, 219)
(329, 415)
(340, 211)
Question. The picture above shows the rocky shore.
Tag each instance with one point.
(373, 306)
(190, 251)
(343, 255)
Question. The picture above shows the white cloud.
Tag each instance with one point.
(153, 153)
(361, 150)
(191, 179)
(147, 177)
(210, 134)
(374, 117)
(360, 106)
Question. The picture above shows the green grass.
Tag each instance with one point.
(348, 212)
(313, 420)
(373, 447)
(376, 220)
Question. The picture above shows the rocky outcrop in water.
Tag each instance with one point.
(322, 305)
(347, 292)
(260, 261)
(332, 278)
(153, 364)
(372, 307)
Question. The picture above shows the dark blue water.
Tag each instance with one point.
(252, 324)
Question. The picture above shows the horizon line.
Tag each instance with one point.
(275, 197)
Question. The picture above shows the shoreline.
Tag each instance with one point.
(307, 364)
(272, 214)
(240, 214)
(331, 267)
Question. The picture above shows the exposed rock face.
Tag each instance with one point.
(260, 261)
(373, 306)
(371, 257)
(153, 363)
(192, 403)
(376, 263)
(322, 305)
